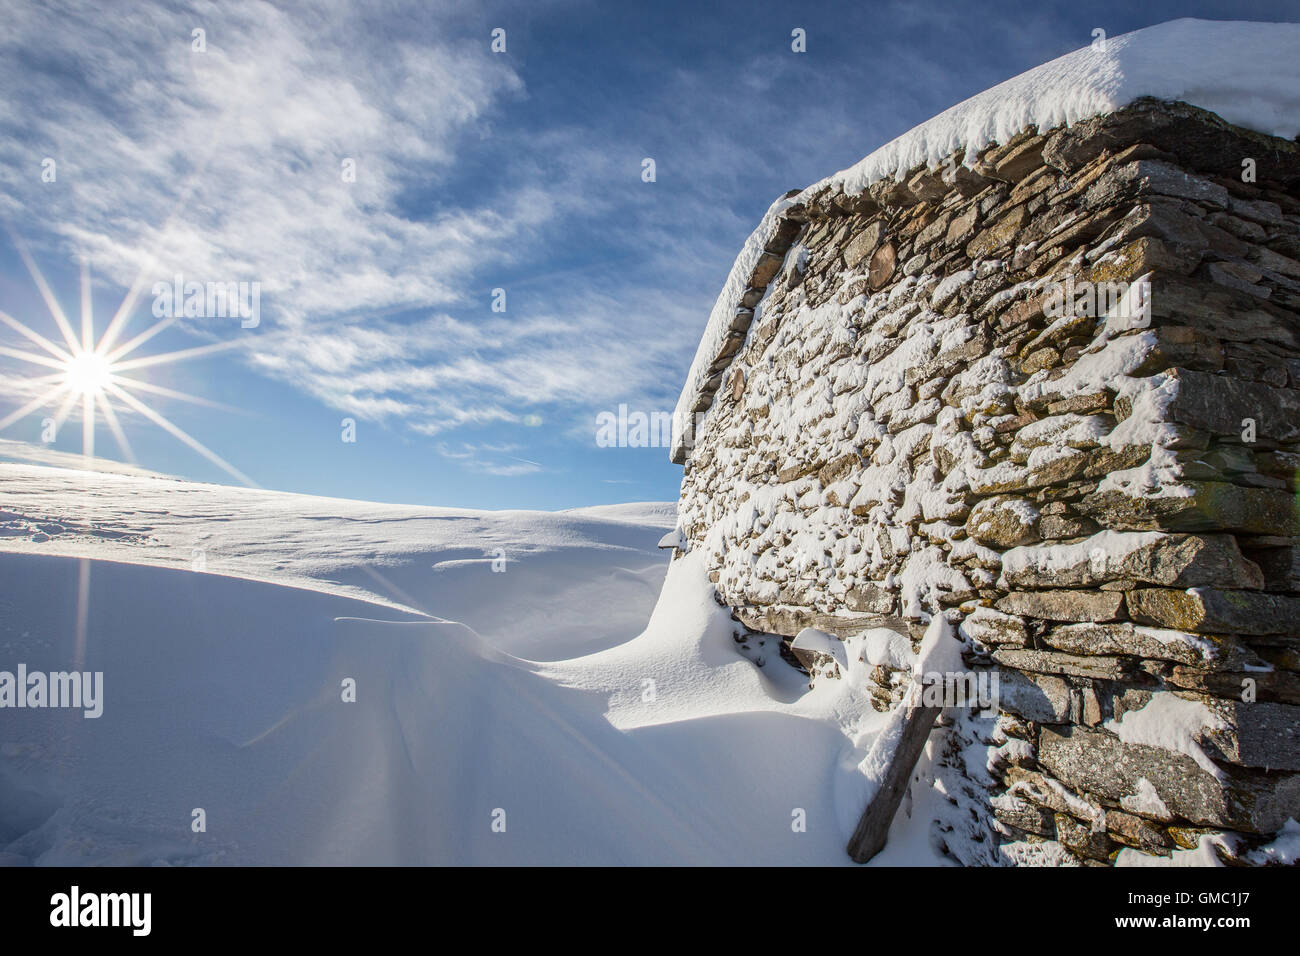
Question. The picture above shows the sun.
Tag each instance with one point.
(92, 374)
(88, 373)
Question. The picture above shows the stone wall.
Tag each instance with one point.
(919, 412)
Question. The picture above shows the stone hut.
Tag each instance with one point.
(1044, 382)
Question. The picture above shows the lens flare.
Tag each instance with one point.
(89, 374)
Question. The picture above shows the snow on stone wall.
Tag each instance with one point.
(920, 407)
(1247, 73)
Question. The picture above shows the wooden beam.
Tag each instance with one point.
(873, 827)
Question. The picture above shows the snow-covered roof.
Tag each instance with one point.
(1248, 73)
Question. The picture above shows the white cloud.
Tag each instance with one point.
(375, 294)
(490, 459)
(227, 164)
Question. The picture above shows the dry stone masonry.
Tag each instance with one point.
(1054, 395)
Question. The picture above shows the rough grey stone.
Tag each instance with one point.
(1260, 734)
(1281, 567)
(1043, 698)
(991, 628)
(1098, 762)
(1003, 522)
(867, 597)
(863, 244)
(1065, 605)
(1049, 662)
(1150, 175)
(999, 235)
(788, 621)
(1215, 612)
(1219, 404)
(1174, 560)
(1209, 506)
(1082, 839)
(1136, 832)
(1126, 639)
(1024, 815)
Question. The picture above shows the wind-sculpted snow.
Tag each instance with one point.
(223, 690)
(438, 561)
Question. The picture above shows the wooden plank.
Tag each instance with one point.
(873, 827)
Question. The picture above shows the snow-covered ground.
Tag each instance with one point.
(437, 561)
(561, 711)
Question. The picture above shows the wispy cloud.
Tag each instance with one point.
(490, 459)
(227, 165)
(473, 171)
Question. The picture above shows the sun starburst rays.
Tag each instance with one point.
(91, 373)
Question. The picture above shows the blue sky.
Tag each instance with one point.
(475, 171)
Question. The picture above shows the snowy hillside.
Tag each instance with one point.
(666, 743)
(433, 560)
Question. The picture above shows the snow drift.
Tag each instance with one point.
(223, 692)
